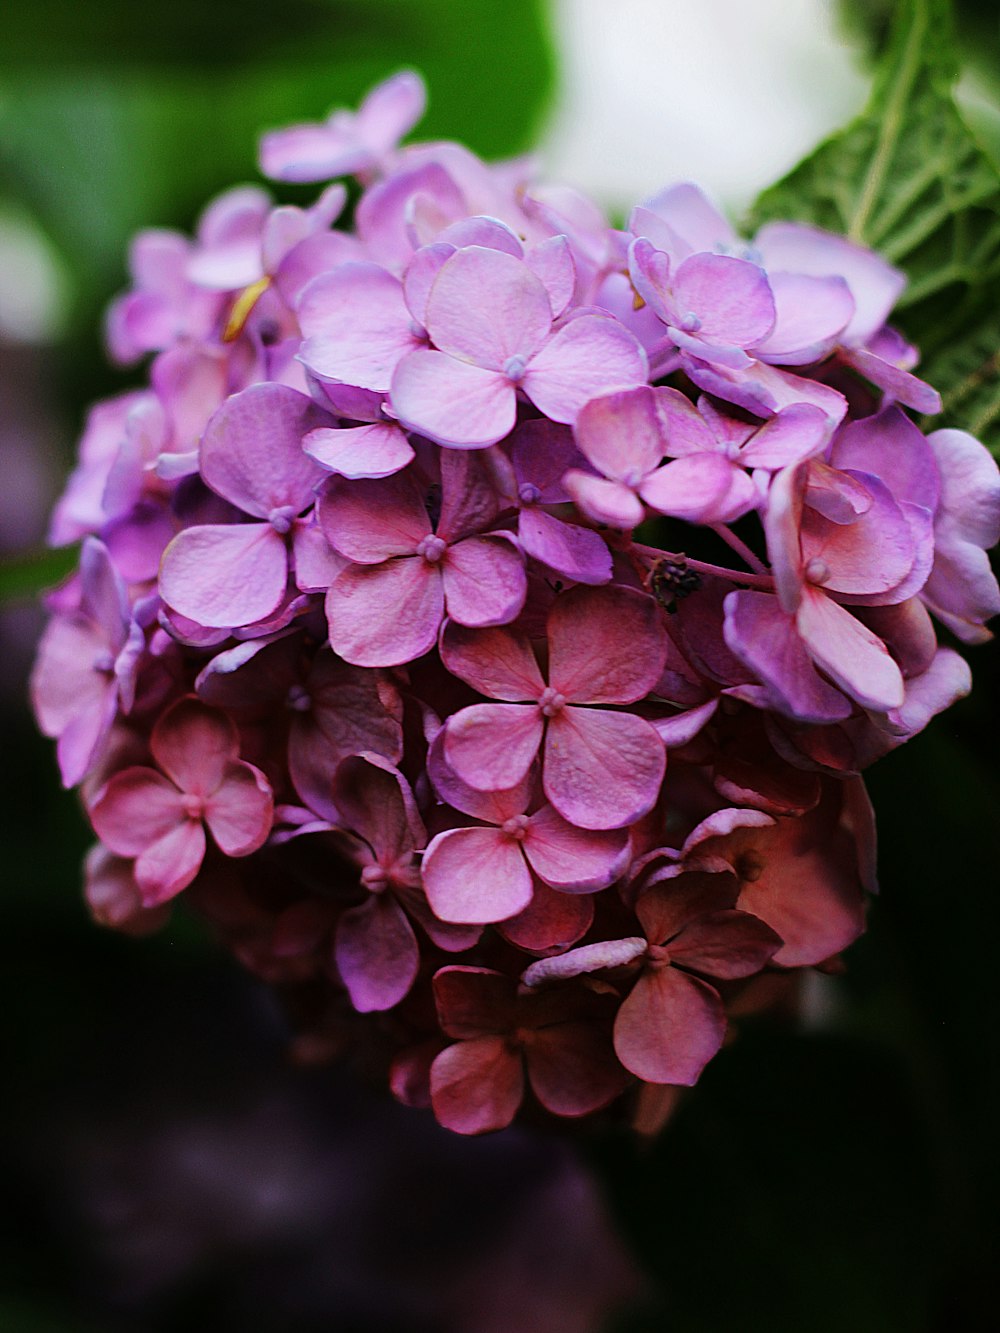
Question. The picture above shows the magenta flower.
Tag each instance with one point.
(86, 666)
(490, 320)
(559, 1039)
(159, 815)
(375, 949)
(388, 605)
(601, 769)
(349, 143)
(220, 575)
(487, 872)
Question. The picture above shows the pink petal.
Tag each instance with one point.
(356, 326)
(360, 451)
(374, 800)
(452, 402)
(692, 217)
(475, 876)
(794, 433)
(486, 307)
(239, 813)
(850, 654)
(571, 859)
(731, 298)
(687, 431)
(171, 863)
(552, 261)
(221, 576)
(382, 615)
(491, 746)
(471, 482)
(550, 921)
(497, 662)
(376, 953)
(391, 109)
(622, 434)
(727, 944)
(195, 746)
(135, 809)
(610, 502)
(669, 1027)
(572, 1068)
(477, 1086)
(898, 384)
(782, 521)
(572, 552)
(696, 488)
(484, 581)
(602, 770)
(811, 312)
(871, 555)
(492, 807)
(587, 628)
(588, 356)
(251, 452)
(474, 1002)
(371, 520)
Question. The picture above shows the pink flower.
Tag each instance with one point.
(159, 815)
(600, 769)
(490, 321)
(559, 1039)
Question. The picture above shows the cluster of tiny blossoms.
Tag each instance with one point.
(485, 614)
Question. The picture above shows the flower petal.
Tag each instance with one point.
(491, 746)
(376, 953)
(602, 770)
(477, 1086)
(474, 876)
(588, 356)
(586, 629)
(669, 1027)
(222, 576)
(382, 615)
(239, 813)
(452, 402)
(574, 860)
(484, 581)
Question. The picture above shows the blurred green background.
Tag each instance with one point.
(163, 1168)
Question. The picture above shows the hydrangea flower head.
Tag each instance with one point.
(484, 615)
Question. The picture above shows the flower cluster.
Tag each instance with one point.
(485, 614)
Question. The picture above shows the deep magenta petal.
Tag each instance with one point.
(376, 954)
(602, 770)
(381, 615)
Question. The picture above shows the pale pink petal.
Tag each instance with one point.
(239, 813)
(382, 615)
(669, 1027)
(731, 298)
(811, 312)
(376, 953)
(135, 809)
(494, 807)
(572, 1068)
(552, 262)
(356, 326)
(475, 876)
(251, 452)
(452, 402)
(477, 1086)
(486, 307)
(370, 520)
(195, 745)
(610, 502)
(171, 863)
(484, 581)
(225, 575)
(850, 654)
(571, 859)
(571, 551)
(420, 276)
(391, 109)
(686, 430)
(588, 356)
(762, 389)
(316, 563)
(497, 662)
(696, 488)
(602, 770)
(794, 433)
(622, 434)
(587, 628)
(360, 451)
(587, 958)
(491, 746)
(692, 217)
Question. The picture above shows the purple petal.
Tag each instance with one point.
(356, 326)
(850, 654)
(360, 451)
(700, 488)
(602, 770)
(810, 313)
(383, 615)
(622, 434)
(898, 384)
(487, 307)
(452, 402)
(221, 576)
(239, 813)
(572, 552)
(497, 662)
(552, 262)
(687, 431)
(376, 954)
(484, 581)
(589, 356)
(731, 299)
(794, 433)
(475, 876)
(373, 520)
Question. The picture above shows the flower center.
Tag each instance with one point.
(528, 493)
(749, 867)
(193, 805)
(281, 519)
(298, 699)
(516, 828)
(375, 879)
(514, 368)
(104, 663)
(817, 570)
(432, 549)
(551, 702)
(657, 957)
(690, 322)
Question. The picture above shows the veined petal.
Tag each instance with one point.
(371, 520)
(602, 770)
(474, 876)
(486, 307)
(477, 1086)
(360, 451)
(484, 581)
(135, 809)
(496, 662)
(491, 746)
(850, 654)
(225, 575)
(669, 1027)
(194, 745)
(171, 863)
(586, 629)
(588, 356)
(239, 813)
(622, 434)
(382, 615)
(571, 859)
(451, 402)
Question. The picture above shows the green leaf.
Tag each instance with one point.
(24, 576)
(909, 179)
